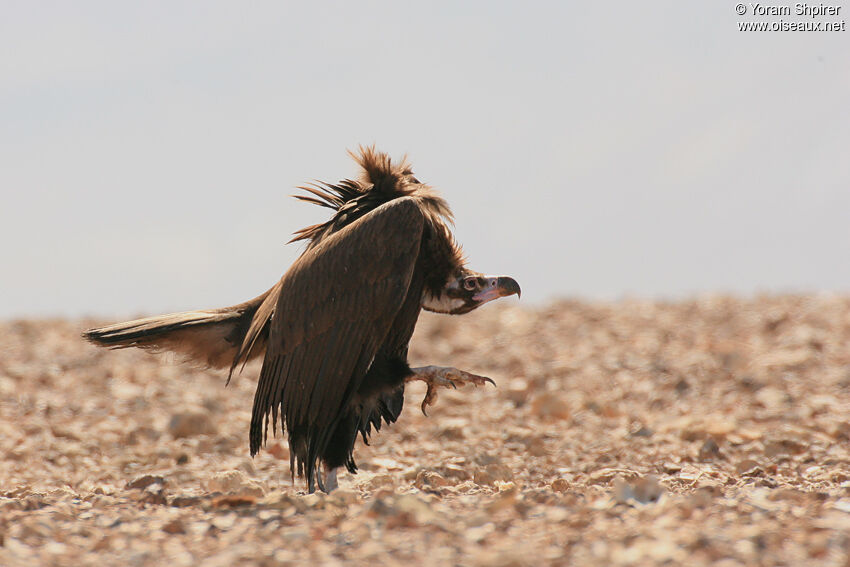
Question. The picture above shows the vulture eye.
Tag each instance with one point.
(470, 284)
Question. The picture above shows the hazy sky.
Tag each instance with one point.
(589, 149)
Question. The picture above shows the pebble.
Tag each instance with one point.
(146, 480)
(403, 510)
(642, 490)
(749, 467)
(490, 474)
(191, 424)
(175, 526)
(377, 481)
(429, 480)
(224, 521)
(234, 482)
(709, 450)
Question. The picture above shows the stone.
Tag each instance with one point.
(191, 424)
(234, 482)
(144, 481)
(642, 490)
(426, 480)
(490, 474)
(709, 450)
(175, 526)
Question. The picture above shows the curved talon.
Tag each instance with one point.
(438, 376)
(430, 398)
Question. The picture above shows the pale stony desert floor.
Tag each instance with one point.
(706, 432)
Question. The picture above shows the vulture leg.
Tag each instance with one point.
(331, 483)
(446, 377)
(326, 482)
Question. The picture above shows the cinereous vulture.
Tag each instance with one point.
(334, 331)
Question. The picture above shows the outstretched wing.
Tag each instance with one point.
(338, 302)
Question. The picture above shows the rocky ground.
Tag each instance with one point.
(713, 431)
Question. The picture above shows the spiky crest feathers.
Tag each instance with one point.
(381, 180)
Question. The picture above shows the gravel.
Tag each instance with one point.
(710, 431)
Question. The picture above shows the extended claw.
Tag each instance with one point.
(429, 399)
(435, 376)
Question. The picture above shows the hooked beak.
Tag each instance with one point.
(495, 287)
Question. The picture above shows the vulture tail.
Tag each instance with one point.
(215, 338)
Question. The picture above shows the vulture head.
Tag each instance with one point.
(466, 290)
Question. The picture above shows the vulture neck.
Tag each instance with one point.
(441, 303)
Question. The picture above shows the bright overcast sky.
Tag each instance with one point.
(589, 149)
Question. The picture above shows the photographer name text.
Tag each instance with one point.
(799, 9)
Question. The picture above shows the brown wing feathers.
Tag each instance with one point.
(252, 343)
(341, 297)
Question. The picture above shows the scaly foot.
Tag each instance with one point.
(446, 377)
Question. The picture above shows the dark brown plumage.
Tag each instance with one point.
(335, 329)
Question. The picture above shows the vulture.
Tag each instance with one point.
(333, 333)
